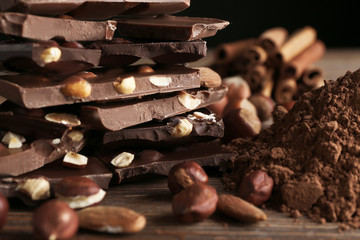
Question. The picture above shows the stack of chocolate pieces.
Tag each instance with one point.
(67, 86)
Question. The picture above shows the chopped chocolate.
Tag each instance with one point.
(43, 58)
(35, 154)
(94, 9)
(119, 54)
(209, 154)
(171, 28)
(46, 28)
(36, 91)
(119, 115)
(205, 125)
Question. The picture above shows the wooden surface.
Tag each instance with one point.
(152, 198)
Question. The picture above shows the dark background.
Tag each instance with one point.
(337, 22)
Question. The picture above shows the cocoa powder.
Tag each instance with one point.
(312, 153)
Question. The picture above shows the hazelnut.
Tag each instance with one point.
(124, 159)
(111, 219)
(35, 188)
(239, 103)
(219, 107)
(195, 203)
(75, 135)
(74, 160)
(125, 85)
(76, 87)
(14, 143)
(237, 208)
(185, 174)
(4, 209)
(238, 88)
(241, 123)
(67, 119)
(52, 54)
(78, 192)
(188, 101)
(160, 81)
(55, 220)
(13, 140)
(145, 69)
(264, 106)
(256, 187)
(182, 128)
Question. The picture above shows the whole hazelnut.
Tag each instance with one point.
(218, 107)
(4, 209)
(185, 174)
(239, 103)
(264, 106)
(195, 203)
(256, 187)
(55, 220)
(241, 123)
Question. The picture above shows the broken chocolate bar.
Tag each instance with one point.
(123, 53)
(199, 125)
(209, 154)
(46, 28)
(35, 91)
(46, 58)
(94, 9)
(119, 115)
(54, 172)
(171, 28)
(31, 156)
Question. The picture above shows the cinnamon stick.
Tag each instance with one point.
(295, 67)
(227, 52)
(285, 90)
(273, 38)
(297, 42)
(254, 55)
(256, 77)
(268, 84)
(313, 78)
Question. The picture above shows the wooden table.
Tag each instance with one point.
(152, 198)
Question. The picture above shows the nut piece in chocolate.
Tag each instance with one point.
(35, 188)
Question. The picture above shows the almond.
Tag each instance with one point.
(209, 78)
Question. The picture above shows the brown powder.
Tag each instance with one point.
(312, 153)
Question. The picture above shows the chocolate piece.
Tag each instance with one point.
(116, 116)
(54, 172)
(45, 28)
(34, 155)
(205, 125)
(36, 91)
(209, 154)
(94, 9)
(172, 28)
(31, 57)
(117, 54)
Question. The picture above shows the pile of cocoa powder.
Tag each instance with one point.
(312, 153)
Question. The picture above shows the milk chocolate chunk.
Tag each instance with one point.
(204, 125)
(94, 9)
(118, 54)
(35, 154)
(118, 115)
(171, 28)
(209, 154)
(46, 58)
(36, 91)
(54, 172)
(46, 28)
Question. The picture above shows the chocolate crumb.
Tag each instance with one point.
(312, 153)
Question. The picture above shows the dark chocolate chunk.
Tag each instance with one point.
(94, 9)
(209, 154)
(46, 28)
(48, 59)
(36, 91)
(119, 115)
(35, 154)
(54, 172)
(204, 125)
(171, 28)
(118, 54)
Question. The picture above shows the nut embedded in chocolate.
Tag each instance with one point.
(125, 85)
(188, 101)
(4, 209)
(75, 136)
(55, 220)
(256, 187)
(111, 219)
(195, 203)
(74, 160)
(67, 119)
(36, 188)
(123, 159)
(76, 87)
(13, 140)
(78, 192)
(184, 175)
(160, 81)
(183, 128)
(52, 54)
